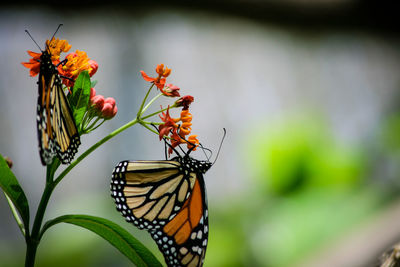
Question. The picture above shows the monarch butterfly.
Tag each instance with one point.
(168, 199)
(57, 131)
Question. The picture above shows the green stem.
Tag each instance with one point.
(33, 241)
(86, 120)
(151, 102)
(151, 122)
(158, 112)
(51, 169)
(93, 123)
(31, 249)
(83, 122)
(92, 148)
(148, 128)
(97, 126)
(144, 100)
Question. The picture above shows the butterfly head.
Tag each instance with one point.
(205, 165)
(202, 165)
(193, 165)
(46, 58)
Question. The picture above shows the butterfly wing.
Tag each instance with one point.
(167, 200)
(184, 238)
(57, 132)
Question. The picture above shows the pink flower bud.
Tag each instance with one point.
(98, 102)
(92, 93)
(107, 111)
(110, 100)
(94, 66)
(115, 110)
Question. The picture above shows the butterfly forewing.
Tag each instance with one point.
(167, 198)
(148, 193)
(57, 132)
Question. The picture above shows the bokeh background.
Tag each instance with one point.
(308, 91)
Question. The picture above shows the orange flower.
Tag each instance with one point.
(163, 72)
(184, 101)
(160, 80)
(185, 129)
(178, 132)
(74, 65)
(168, 125)
(192, 142)
(186, 119)
(175, 141)
(33, 64)
(54, 47)
(171, 90)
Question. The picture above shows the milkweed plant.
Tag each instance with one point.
(90, 110)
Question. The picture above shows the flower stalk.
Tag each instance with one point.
(33, 241)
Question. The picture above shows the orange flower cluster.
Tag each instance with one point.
(184, 129)
(177, 129)
(159, 81)
(55, 47)
(69, 68)
(75, 64)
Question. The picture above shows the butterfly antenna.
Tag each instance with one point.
(204, 151)
(165, 141)
(220, 145)
(27, 32)
(168, 144)
(56, 31)
(176, 151)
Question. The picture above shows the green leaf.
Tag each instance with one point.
(80, 96)
(10, 186)
(121, 239)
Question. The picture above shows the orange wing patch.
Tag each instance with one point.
(181, 226)
(46, 105)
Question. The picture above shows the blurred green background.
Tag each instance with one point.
(308, 92)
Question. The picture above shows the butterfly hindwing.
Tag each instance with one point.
(167, 198)
(57, 132)
(183, 240)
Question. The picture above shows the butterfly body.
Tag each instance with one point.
(168, 199)
(57, 132)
